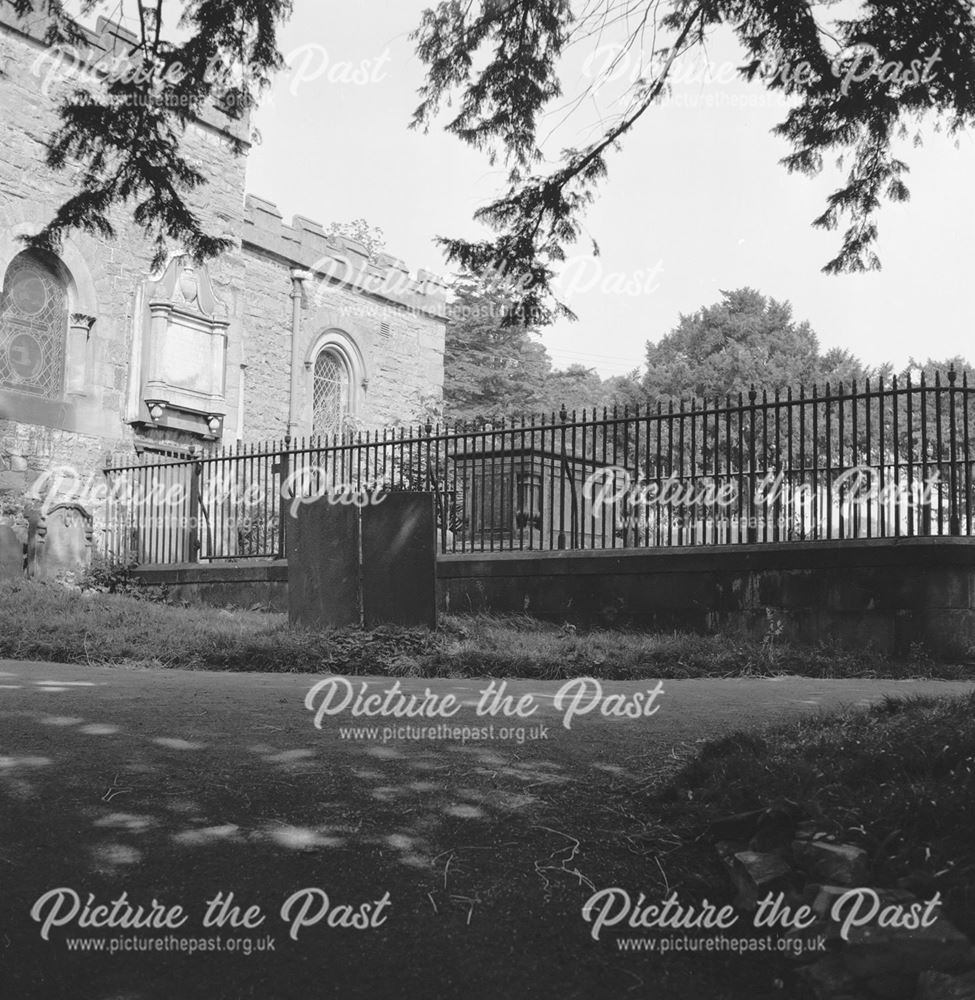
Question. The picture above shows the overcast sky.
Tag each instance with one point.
(695, 202)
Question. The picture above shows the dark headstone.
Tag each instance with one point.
(323, 565)
(12, 552)
(399, 561)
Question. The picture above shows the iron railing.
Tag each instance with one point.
(878, 459)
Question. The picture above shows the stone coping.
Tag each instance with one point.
(918, 552)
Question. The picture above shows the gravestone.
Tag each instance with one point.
(323, 565)
(374, 565)
(399, 561)
(12, 552)
(59, 542)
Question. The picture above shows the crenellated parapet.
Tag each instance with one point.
(337, 259)
(107, 50)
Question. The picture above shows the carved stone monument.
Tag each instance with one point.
(59, 542)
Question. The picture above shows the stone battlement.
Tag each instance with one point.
(107, 41)
(303, 244)
(340, 260)
(106, 48)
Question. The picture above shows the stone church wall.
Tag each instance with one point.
(389, 324)
(84, 427)
(392, 321)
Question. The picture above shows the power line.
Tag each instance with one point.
(621, 364)
(590, 354)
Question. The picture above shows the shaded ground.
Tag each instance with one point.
(177, 785)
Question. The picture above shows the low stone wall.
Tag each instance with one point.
(244, 584)
(889, 593)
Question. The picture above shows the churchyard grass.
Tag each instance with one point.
(47, 622)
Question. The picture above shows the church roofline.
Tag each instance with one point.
(340, 260)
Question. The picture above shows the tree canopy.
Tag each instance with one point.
(128, 133)
(371, 237)
(856, 84)
(745, 339)
(495, 370)
(491, 370)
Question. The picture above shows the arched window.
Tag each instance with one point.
(330, 397)
(33, 326)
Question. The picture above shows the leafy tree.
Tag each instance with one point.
(724, 350)
(492, 370)
(575, 388)
(497, 62)
(625, 390)
(498, 370)
(932, 368)
(128, 133)
(371, 237)
(497, 65)
(744, 340)
(935, 378)
(578, 388)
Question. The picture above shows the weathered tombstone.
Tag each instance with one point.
(323, 565)
(399, 561)
(12, 552)
(59, 542)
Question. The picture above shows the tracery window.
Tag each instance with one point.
(330, 394)
(33, 326)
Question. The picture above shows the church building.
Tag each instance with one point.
(290, 333)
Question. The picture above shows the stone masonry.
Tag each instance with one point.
(388, 324)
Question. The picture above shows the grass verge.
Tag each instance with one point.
(48, 622)
(897, 779)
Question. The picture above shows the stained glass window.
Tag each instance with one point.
(331, 394)
(33, 327)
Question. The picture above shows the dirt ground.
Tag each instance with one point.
(177, 786)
